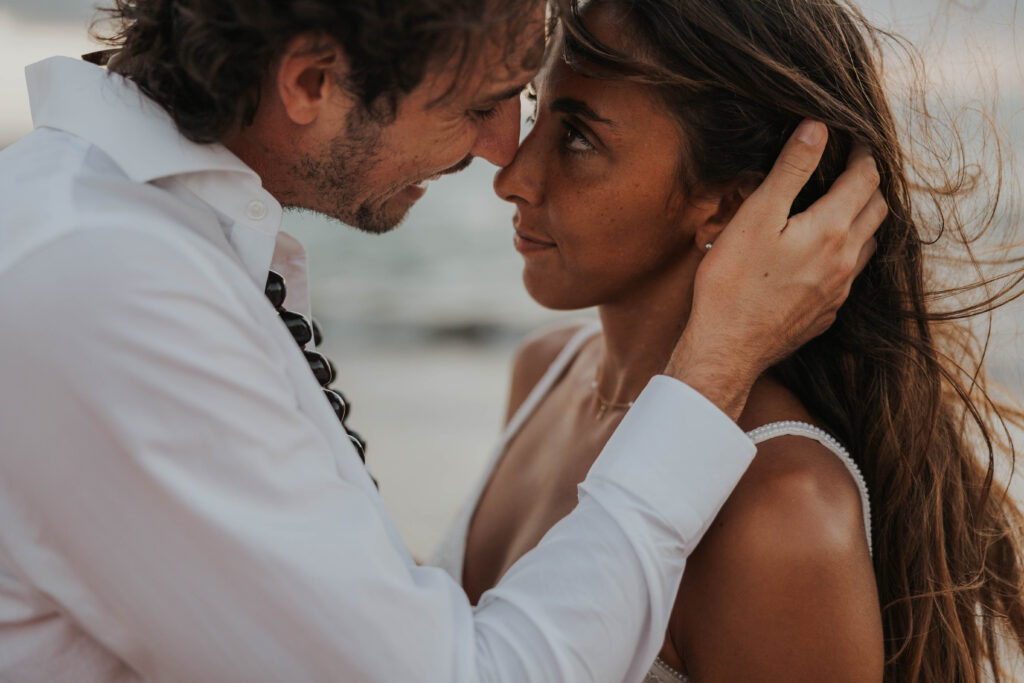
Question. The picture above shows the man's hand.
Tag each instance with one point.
(772, 283)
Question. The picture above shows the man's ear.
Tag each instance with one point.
(309, 75)
(727, 204)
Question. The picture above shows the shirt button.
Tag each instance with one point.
(256, 211)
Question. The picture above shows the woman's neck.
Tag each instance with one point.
(642, 328)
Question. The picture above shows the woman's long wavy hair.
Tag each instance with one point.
(898, 377)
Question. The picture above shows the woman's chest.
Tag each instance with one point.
(533, 486)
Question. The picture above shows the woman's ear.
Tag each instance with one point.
(725, 207)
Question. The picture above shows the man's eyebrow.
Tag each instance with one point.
(574, 107)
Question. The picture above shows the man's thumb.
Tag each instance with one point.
(795, 165)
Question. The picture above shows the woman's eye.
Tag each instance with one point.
(574, 140)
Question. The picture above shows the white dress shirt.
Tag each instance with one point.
(178, 501)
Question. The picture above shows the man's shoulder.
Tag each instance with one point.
(45, 164)
(37, 175)
(55, 186)
(72, 220)
(42, 142)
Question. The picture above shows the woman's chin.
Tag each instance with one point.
(550, 294)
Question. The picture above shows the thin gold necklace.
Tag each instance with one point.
(604, 405)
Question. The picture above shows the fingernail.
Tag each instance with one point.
(810, 132)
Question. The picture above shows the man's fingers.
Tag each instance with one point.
(866, 252)
(794, 167)
(863, 230)
(851, 192)
(870, 218)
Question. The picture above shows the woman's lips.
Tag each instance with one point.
(527, 243)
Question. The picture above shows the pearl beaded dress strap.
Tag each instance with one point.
(794, 428)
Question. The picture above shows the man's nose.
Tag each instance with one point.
(499, 137)
(522, 180)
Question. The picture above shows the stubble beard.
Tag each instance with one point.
(338, 174)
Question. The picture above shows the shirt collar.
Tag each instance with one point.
(110, 112)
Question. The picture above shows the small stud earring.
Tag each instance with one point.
(708, 246)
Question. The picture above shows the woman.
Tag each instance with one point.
(867, 541)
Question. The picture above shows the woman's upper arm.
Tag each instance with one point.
(782, 587)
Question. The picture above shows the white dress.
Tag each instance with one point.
(450, 554)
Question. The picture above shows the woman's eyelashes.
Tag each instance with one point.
(574, 141)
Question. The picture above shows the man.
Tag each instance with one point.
(178, 501)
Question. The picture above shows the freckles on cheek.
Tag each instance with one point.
(598, 238)
(576, 212)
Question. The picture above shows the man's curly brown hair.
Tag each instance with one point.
(204, 61)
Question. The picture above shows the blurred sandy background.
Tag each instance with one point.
(422, 322)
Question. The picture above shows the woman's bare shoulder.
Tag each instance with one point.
(532, 360)
(793, 479)
(785, 561)
(795, 488)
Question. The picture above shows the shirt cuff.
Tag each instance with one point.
(678, 453)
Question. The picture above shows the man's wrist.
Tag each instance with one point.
(720, 379)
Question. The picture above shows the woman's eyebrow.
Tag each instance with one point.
(579, 108)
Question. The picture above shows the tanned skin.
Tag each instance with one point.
(782, 587)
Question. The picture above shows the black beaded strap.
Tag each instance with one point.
(303, 331)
